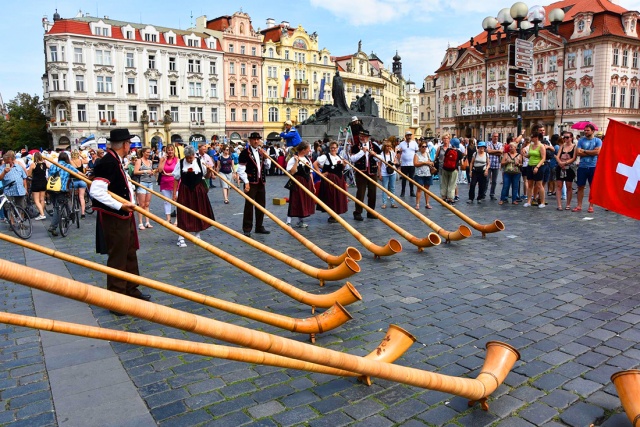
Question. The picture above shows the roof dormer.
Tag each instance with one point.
(170, 37)
(212, 43)
(191, 40)
(150, 34)
(128, 32)
(582, 25)
(630, 23)
(100, 29)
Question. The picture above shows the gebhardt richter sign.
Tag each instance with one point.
(502, 108)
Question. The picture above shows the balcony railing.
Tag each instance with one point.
(196, 125)
(64, 123)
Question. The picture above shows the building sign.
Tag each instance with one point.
(502, 108)
(196, 137)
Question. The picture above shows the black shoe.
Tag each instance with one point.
(140, 295)
(115, 313)
(358, 217)
(455, 199)
(53, 231)
(412, 195)
(174, 214)
(470, 202)
(262, 230)
(332, 220)
(492, 197)
(371, 216)
(82, 216)
(246, 233)
(401, 194)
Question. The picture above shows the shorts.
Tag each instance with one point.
(552, 176)
(526, 171)
(566, 175)
(425, 181)
(228, 177)
(546, 173)
(584, 175)
(76, 183)
(141, 190)
(536, 176)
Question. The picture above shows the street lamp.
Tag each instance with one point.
(522, 21)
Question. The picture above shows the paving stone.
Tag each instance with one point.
(299, 415)
(266, 409)
(538, 413)
(581, 414)
(582, 387)
(559, 399)
(438, 416)
(505, 405)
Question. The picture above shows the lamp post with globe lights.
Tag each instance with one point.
(522, 21)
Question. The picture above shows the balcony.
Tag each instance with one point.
(106, 123)
(196, 125)
(156, 124)
(59, 124)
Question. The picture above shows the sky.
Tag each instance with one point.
(420, 30)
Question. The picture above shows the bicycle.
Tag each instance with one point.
(88, 203)
(75, 206)
(19, 221)
(61, 205)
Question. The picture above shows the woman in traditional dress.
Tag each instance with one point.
(300, 204)
(331, 166)
(190, 191)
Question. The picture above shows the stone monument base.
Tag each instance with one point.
(378, 128)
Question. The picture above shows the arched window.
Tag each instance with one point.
(273, 114)
(303, 114)
(325, 60)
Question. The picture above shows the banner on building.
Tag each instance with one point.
(321, 97)
(285, 90)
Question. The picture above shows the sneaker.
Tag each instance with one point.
(181, 244)
(455, 199)
(470, 202)
(302, 224)
(526, 205)
(479, 201)
(40, 218)
(541, 205)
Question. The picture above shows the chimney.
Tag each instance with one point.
(271, 22)
(285, 24)
(106, 16)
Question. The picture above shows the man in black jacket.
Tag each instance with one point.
(364, 159)
(252, 171)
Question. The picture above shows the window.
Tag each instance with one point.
(213, 68)
(196, 114)
(586, 97)
(152, 62)
(153, 113)
(271, 54)
(632, 97)
(193, 43)
(492, 74)
(616, 51)
(625, 60)
(273, 114)
(232, 89)
(254, 51)
(173, 88)
(634, 61)
(232, 67)
(540, 65)
(463, 80)
(130, 60)
(194, 65)
(242, 50)
(303, 114)
(104, 84)
(195, 89)
(286, 54)
(569, 99)
(77, 55)
(230, 48)
(552, 99)
(255, 114)
(150, 38)
(233, 115)
(553, 63)
(131, 85)
(175, 115)
(272, 92)
(502, 73)
(470, 77)
(129, 35)
(214, 115)
(153, 88)
(623, 95)
(53, 53)
(172, 63)
(171, 40)
(288, 114)
(587, 58)
(213, 90)
(243, 89)
(79, 83)
(614, 95)
(571, 60)
(102, 112)
(254, 70)
(254, 90)
(243, 69)
(133, 113)
(82, 112)
(244, 114)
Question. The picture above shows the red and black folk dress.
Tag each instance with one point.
(330, 195)
(301, 205)
(193, 193)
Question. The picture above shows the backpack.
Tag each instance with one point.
(450, 162)
(130, 168)
(54, 183)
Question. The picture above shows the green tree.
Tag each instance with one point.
(26, 124)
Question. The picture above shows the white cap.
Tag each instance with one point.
(354, 118)
(288, 123)
(408, 132)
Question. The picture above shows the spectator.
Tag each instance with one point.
(165, 171)
(565, 172)
(61, 197)
(38, 172)
(479, 171)
(407, 150)
(423, 163)
(448, 178)
(14, 172)
(536, 157)
(388, 174)
(588, 150)
(225, 169)
(290, 135)
(495, 150)
(511, 162)
(143, 169)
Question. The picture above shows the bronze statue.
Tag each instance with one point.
(144, 118)
(337, 92)
(167, 117)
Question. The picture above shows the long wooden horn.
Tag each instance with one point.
(461, 233)
(392, 247)
(494, 227)
(331, 260)
(335, 316)
(346, 295)
(500, 357)
(432, 239)
(628, 386)
(346, 268)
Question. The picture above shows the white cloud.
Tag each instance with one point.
(421, 56)
(629, 4)
(366, 12)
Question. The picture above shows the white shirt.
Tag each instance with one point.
(99, 190)
(301, 161)
(409, 149)
(242, 169)
(185, 168)
(322, 160)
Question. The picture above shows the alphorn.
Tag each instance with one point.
(331, 260)
(246, 355)
(431, 240)
(346, 295)
(346, 268)
(628, 386)
(392, 247)
(500, 356)
(461, 233)
(494, 227)
(335, 316)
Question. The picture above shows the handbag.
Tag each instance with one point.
(54, 183)
(433, 170)
(465, 163)
(390, 170)
(289, 185)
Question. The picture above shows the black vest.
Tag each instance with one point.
(110, 169)
(246, 158)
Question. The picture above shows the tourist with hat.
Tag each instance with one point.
(290, 135)
(407, 150)
(116, 233)
(253, 165)
(363, 157)
(356, 127)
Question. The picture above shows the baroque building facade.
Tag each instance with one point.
(427, 110)
(297, 76)
(588, 71)
(102, 73)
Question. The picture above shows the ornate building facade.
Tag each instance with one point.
(297, 76)
(103, 73)
(427, 108)
(587, 72)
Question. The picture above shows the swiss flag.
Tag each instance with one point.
(616, 183)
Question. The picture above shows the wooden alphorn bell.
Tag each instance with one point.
(346, 295)
(500, 356)
(493, 227)
(461, 233)
(347, 268)
(628, 386)
(330, 319)
(392, 247)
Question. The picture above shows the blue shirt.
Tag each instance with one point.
(589, 144)
(64, 175)
(17, 175)
(292, 137)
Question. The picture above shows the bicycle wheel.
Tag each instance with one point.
(20, 222)
(76, 210)
(88, 203)
(48, 205)
(65, 219)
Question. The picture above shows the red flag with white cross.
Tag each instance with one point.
(616, 183)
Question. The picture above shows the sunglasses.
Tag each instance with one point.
(566, 137)
(423, 146)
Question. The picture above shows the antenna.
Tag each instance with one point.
(192, 18)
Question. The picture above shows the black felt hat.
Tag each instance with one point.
(119, 135)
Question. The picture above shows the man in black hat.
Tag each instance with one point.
(363, 157)
(116, 233)
(253, 166)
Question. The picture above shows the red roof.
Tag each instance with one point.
(220, 23)
(274, 33)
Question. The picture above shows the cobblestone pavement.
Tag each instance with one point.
(561, 287)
